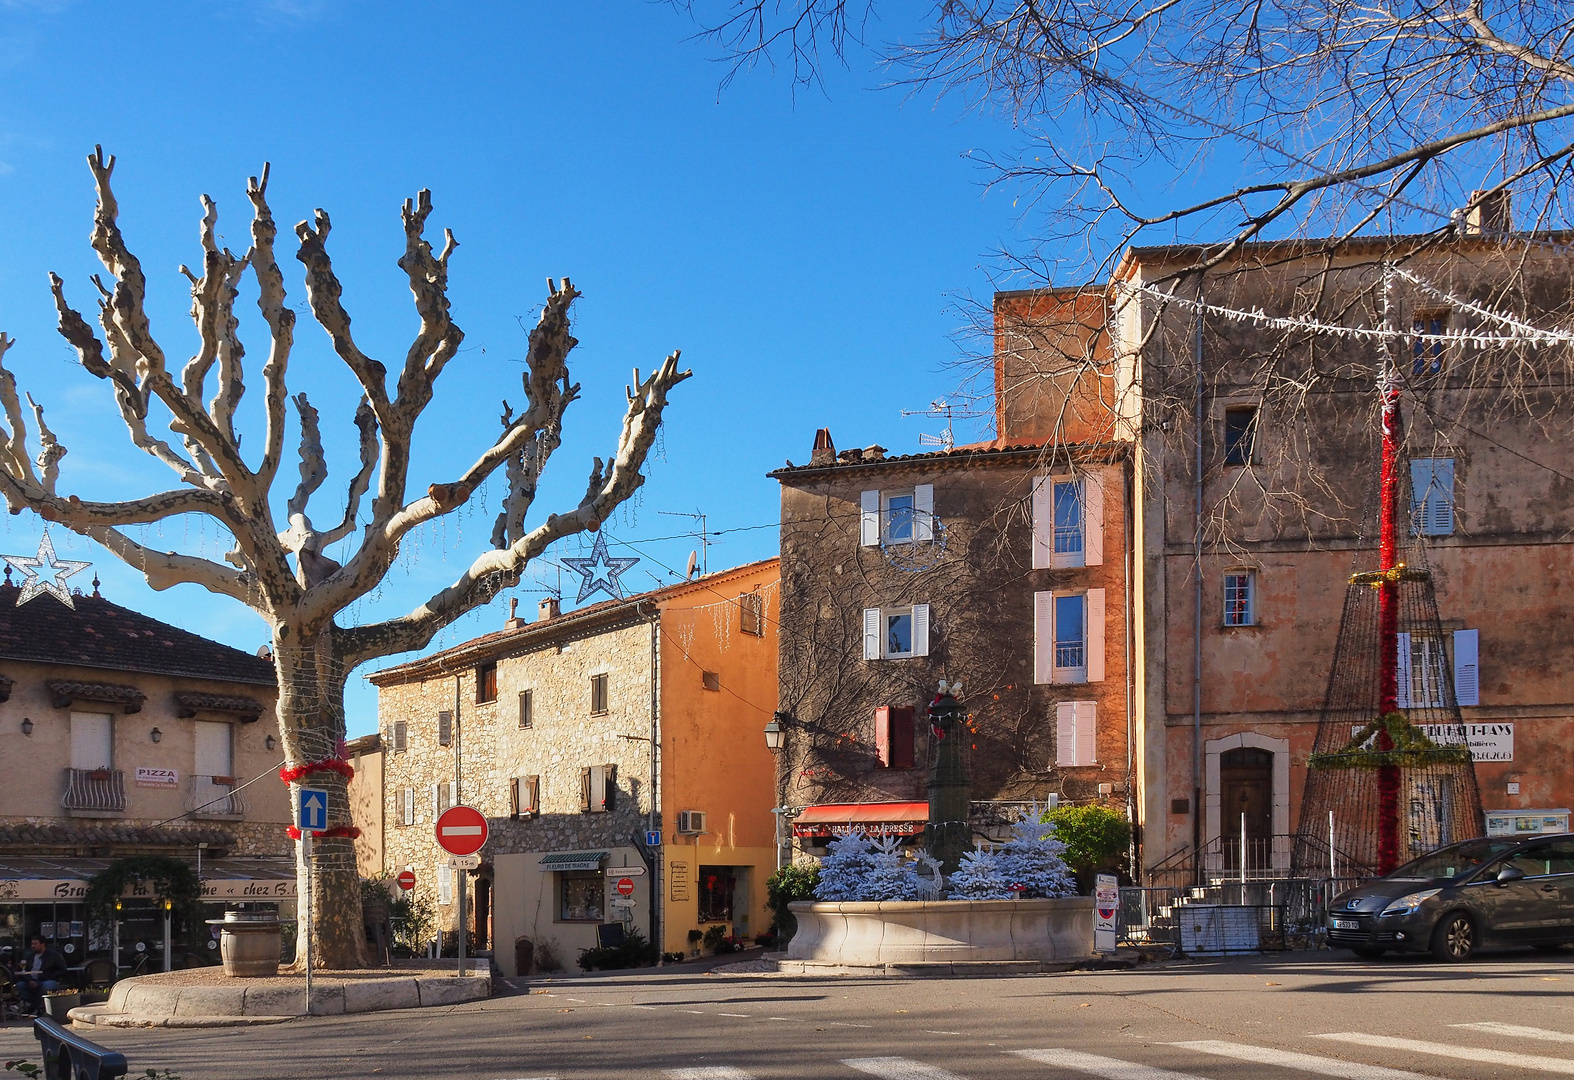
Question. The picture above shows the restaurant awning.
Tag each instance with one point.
(841, 819)
(43, 877)
(573, 860)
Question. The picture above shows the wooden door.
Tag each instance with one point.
(1246, 787)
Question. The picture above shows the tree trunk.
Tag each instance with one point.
(311, 720)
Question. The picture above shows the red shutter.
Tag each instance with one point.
(893, 736)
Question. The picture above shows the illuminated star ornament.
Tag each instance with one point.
(45, 574)
(599, 573)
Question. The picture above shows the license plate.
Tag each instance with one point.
(1346, 924)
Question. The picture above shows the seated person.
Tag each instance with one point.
(45, 971)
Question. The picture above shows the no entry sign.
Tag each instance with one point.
(461, 830)
(625, 886)
(405, 881)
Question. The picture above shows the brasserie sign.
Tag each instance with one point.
(72, 890)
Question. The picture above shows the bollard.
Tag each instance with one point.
(71, 1057)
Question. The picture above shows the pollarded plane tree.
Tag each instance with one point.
(283, 570)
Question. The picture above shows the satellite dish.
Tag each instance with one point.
(694, 561)
(264, 652)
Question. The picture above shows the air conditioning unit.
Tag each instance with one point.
(691, 821)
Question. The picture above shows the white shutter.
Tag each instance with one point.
(920, 629)
(1092, 521)
(871, 633)
(436, 809)
(453, 793)
(1440, 503)
(213, 749)
(1087, 733)
(923, 514)
(92, 741)
(1404, 671)
(1095, 630)
(1043, 522)
(1467, 667)
(408, 816)
(445, 884)
(869, 519)
(1043, 637)
(1420, 490)
(1065, 733)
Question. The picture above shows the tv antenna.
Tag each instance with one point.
(702, 535)
(946, 440)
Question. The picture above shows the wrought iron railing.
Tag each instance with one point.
(215, 796)
(99, 790)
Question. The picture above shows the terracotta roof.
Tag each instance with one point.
(98, 835)
(101, 634)
(960, 455)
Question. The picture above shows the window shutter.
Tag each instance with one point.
(1043, 522)
(408, 812)
(584, 791)
(869, 519)
(525, 719)
(1087, 733)
(1065, 733)
(923, 512)
(453, 793)
(1467, 669)
(920, 629)
(609, 800)
(513, 797)
(1043, 637)
(445, 884)
(1420, 492)
(445, 728)
(871, 633)
(1095, 645)
(1441, 501)
(1404, 671)
(533, 795)
(399, 731)
(1092, 521)
(435, 808)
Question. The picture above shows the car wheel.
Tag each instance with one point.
(1455, 938)
(1367, 952)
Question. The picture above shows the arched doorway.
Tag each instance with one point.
(1246, 805)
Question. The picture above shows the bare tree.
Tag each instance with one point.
(284, 573)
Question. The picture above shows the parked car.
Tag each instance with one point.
(1496, 891)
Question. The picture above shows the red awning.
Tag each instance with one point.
(840, 819)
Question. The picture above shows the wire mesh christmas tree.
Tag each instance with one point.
(1390, 776)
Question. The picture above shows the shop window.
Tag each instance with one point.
(580, 895)
(717, 884)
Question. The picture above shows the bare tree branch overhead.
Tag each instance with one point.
(282, 570)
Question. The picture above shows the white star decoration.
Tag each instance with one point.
(599, 573)
(57, 570)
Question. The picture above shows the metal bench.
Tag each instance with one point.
(71, 1057)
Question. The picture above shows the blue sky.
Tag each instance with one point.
(805, 251)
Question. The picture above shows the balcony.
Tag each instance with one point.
(92, 792)
(215, 797)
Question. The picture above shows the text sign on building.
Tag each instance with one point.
(166, 778)
(461, 830)
(678, 880)
(1106, 901)
(1488, 742)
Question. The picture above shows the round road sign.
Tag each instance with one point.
(461, 830)
(625, 886)
(406, 881)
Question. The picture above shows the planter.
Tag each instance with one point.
(942, 931)
(56, 1006)
(250, 943)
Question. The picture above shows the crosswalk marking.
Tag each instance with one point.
(1264, 1055)
(1459, 1053)
(1109, 1068)
(899, 1068)
(1518, 1032)
(709, 1072)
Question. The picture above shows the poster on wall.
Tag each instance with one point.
(162, 778)
(678, 877)
(1488, 742)
(1106, 903)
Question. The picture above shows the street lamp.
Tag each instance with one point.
(27, 725)
(155, 735)
(775, 733)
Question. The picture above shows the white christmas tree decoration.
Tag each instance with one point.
(1032, 860)
(845, 870)
(979, 878)
(931, 878)
(892, 876)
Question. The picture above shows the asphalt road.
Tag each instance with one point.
(1295, 1016)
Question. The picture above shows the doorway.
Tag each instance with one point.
(1246, 795)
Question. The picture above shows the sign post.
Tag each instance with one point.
(461, 830)
(1106, 904)
(311, 817)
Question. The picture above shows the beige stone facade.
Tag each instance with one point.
(366, 803)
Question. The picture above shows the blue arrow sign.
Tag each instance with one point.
(311, 809)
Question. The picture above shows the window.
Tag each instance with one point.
(1076, 734)
(598, 789)
(1432, 496)
(1068, 637)
(1240, 598)
(400, 734)
(580, 894)
(215, 752)
(1427, 348)
(524, 796)
(901, 516)
(751, 613)
(485, 683)
(445, 729)
(598, 695)
(92, 741)
(1068, 522)
(445, 884)
(1240, 435)
(717, 884)
(896, 633)
(1424, 670)
(710, 680)
(526, 712)
(407, 806)
(893, 736)
(444, 796)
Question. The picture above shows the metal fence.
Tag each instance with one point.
(1291, 912)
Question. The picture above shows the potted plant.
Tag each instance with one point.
(57, 1003)
(695, 937)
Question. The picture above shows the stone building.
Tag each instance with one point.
(1251, 422)
(122, 735)
(366, 802)
(625, 734)
(1000, 566)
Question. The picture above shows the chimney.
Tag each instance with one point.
(874, 453)
(514, 621)
(824, 448)
(549, 609)
(1487, 214)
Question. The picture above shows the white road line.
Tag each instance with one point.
(1109, 1068)
(644, 1006)
(789, 1019)
(1519, 1032)
(709, 1072)
(899, 1068)
(696, 1012)
(741, 1016)
(580, 1000)
(842, 1023)
(932, 1031)
(1263, 1055)
(1459, 1053)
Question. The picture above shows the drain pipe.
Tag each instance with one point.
(1196, 669)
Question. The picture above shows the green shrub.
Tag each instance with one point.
(714, 936)
(634, 952)
(788, 884)
(1095, 836)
